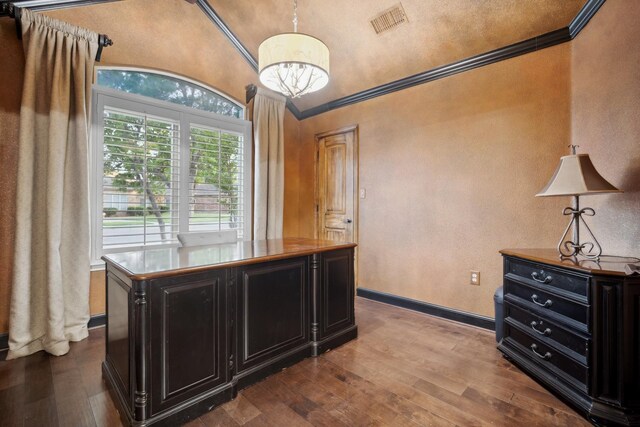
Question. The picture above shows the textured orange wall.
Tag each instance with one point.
(606, 119)
(292, 188)
(164, 34)
(451, 169)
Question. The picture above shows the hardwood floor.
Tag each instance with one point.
(405, 369)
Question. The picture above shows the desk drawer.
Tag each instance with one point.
(550, 332)
(547, 276)
(547, 357)
(548, 303)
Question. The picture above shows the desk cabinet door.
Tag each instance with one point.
(189, 336)
(336, 291)
(273, 310)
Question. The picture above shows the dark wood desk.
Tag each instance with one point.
(574, 325)
(188, 327)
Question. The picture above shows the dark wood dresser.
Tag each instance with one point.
(575, 327)
(188, 327)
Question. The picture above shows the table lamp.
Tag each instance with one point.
(576, 176)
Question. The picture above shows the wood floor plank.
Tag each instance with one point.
(408, 412)
(500, 388)
(42, 412)
(261, 397)
(456, 364)
(241, 410)
(311, 411)
(62, 364)
(504, 408)
(421, 368)
(195, 423)
(261, 421)
(38, 379)
(388, 378)
(320, 396)
(12, 405)
(11, 373)
(478, 410)
(72, 402)
(558, 415)
(92, 381)
(104, 410)
(339, 408)
(448, 377)
(219, 417)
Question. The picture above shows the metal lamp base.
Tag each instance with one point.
(574, 247)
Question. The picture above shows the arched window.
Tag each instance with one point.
(170, 156)
(164, 87)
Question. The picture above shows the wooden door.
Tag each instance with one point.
(337, 185)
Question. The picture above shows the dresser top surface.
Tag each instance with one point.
(607, 265)
(154, 263)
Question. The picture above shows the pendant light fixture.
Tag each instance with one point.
(293, 63)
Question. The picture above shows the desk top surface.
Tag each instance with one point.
(154, 263)
(606, 265)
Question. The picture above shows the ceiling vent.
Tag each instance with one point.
(389, 19)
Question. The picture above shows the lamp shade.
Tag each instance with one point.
(576, 176)
(293, 64)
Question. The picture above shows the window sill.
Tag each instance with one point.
(98, 266)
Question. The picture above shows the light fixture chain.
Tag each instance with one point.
(295, 16)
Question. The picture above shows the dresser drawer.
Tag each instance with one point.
(547, 357)
(548, 331)
(548, 304)
(546, 276)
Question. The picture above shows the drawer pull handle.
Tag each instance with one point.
(534, 326)
(545, 356)
(541, 278)
(545, 304)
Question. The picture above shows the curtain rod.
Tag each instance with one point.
(16, 13)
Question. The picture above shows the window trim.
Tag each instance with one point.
(102, 96)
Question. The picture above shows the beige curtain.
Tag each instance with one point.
(50, 293)
(268, 190)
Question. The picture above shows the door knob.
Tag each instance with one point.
(348, 221)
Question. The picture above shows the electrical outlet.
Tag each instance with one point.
(363, 193)
(474, 278)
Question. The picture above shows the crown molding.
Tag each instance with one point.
(584, 16)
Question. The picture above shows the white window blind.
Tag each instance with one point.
(215, 180)
(141, 166)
